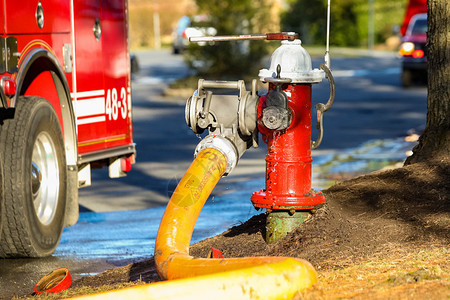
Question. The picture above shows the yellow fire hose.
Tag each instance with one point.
(230, 278)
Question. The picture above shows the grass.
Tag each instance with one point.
(397, 275)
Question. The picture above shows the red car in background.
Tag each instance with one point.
(413, 50)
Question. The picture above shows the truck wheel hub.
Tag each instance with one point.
(45, 178)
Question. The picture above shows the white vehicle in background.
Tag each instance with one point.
(187, 27)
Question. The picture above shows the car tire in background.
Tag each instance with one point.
(35, 186)
(175, 51)
(407, 78)
(134, 64)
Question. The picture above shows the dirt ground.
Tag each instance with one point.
(385, 235)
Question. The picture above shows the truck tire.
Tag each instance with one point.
(35, 180)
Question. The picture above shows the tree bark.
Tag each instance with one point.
(435, 141)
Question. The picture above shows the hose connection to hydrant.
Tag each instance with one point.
(283, 117)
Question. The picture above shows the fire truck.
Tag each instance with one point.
(65, 108)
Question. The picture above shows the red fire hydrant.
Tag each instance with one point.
(284, 120)
(282, 116)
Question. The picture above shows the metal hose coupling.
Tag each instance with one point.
(222, 144)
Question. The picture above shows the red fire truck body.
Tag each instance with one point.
(65, 107)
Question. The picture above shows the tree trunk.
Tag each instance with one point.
(435, 141)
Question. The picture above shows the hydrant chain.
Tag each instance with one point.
(322, 108)
(330, 78)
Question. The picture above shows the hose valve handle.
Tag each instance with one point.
(207, 105)
(203, 120)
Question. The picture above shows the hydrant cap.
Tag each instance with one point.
(295, 64)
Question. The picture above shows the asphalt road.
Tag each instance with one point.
(370, 104)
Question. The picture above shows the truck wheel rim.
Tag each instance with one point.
(45, 178)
